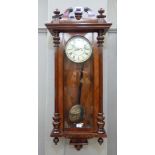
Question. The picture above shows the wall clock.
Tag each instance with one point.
(78, 37)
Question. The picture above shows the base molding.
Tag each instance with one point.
(78, 138)
(44, 30)
(78, 143)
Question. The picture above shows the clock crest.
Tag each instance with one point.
(78, 37)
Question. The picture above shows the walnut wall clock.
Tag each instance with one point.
(78, 37)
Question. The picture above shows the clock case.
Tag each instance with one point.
(79, 25)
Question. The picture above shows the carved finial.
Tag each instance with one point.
(56, 123)
(101, 11)
(100, 140)
(56, 140)
(56, 41)
(57, 14)
(100, 123)
(100, 39)
(78, 147)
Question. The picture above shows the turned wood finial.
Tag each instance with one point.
(100, 123)
(101, 11)
(56, 123)
(100, 39)
(100, 140)
(78, 147)
(57, 14)
(56, 140)
(56, 39)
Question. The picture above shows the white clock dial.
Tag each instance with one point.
(78, 49)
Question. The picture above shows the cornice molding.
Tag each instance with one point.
(44, 30)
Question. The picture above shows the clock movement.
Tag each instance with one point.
(78, 37)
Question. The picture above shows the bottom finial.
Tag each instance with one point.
(56, 140)
(100, 141)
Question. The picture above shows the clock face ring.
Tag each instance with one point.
(78, 49)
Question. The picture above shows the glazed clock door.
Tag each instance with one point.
(78, 83)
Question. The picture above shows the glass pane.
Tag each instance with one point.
(78, 94)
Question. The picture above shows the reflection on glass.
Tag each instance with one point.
(78, 94)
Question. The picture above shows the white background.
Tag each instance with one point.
(19, 67)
